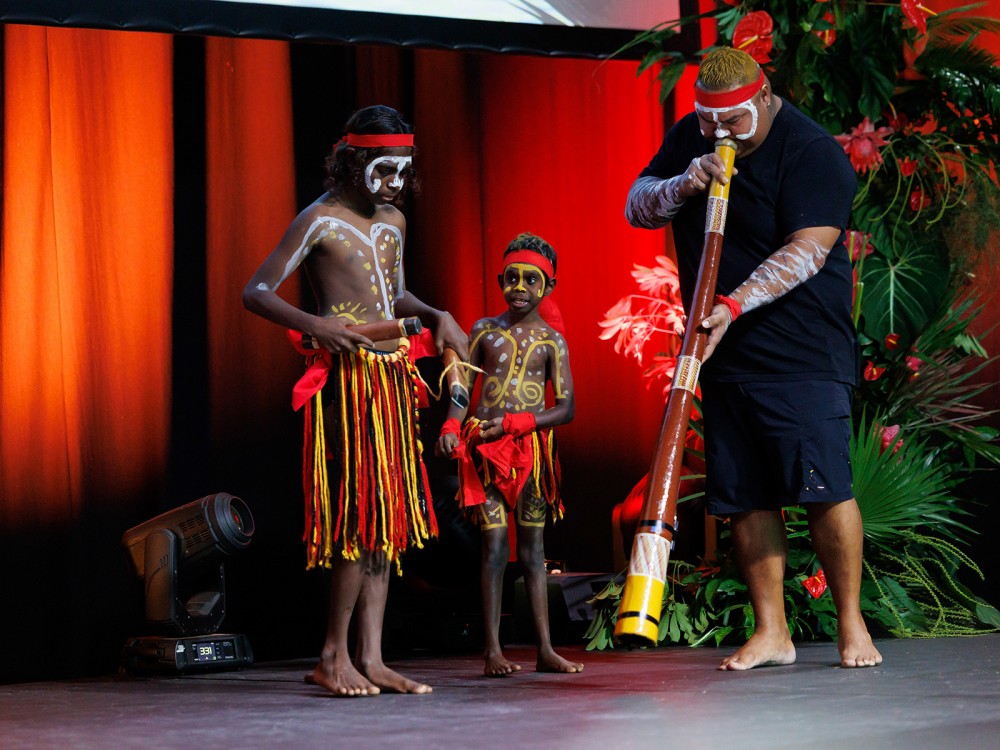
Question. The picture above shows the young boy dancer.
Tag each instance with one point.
(507, 453)
(375, 501)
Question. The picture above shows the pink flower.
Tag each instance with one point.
(888, 435)
(753, 35)
(862, 145)
(914, 364)
(858, 242)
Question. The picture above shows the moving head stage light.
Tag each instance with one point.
(178, 557)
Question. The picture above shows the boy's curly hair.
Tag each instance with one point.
(529, 241)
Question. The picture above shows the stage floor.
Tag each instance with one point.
(927, 694)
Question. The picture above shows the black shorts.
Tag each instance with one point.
(769, 445)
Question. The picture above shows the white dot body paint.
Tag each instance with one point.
(714, 112)
(401, 163)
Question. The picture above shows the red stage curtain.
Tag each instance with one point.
(250, 202)
(549, 146)
(85, 277)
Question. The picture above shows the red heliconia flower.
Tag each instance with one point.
(919, 200)
(955, 169)
(858, 242)
(816, 584)
(907, 166)
(892, 341)
(916, 14)
(888, 435)
(862, 145)
(753, 35)
(827, 36)
(872, 371)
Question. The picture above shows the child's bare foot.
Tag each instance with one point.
(341, 678)
(761, 651)
(550, 661)
(498, 666)
(856, 647)
(386, 679)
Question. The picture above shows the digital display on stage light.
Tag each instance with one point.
(600, 14)
(224, 650)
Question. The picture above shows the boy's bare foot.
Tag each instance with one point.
(552, 662)
(761, 651)
(856, 647)
(386, 679)
(341, 678)
(498, 666)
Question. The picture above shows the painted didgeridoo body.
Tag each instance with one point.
(642, 598)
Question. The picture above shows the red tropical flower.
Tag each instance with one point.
(858, 242)
(907, 166)
(914, 364)
(827, 36)
(753, 35)
(892, 341)
(919, 200)
(916, 15)
(816, 584)
(862, 145)
(873, 371)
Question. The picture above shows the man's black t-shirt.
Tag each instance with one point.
(798, 177)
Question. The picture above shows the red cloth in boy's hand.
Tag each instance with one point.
(517, 425)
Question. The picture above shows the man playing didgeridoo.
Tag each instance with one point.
(508, 470)
(375, 501)
(776, 394)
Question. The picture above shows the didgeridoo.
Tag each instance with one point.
(642, 598)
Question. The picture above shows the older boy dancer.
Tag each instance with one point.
(507, 451)
(375, 503)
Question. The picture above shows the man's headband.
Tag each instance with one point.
(727, 99)
(378, 140)
(531, 258)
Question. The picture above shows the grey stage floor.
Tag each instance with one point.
(941, 693)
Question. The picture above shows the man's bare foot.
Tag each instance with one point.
(760, 651)
(499, 666)
(550, 661)
(856, 647)
(391, 681)
(341, 678)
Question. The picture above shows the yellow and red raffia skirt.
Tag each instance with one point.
(365, 483)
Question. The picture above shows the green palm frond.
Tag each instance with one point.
(901, 489)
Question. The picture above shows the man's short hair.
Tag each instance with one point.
(726, 68)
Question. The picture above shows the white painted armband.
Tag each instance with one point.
(653, 202)
(789, 266)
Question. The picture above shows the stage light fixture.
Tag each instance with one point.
(179, 556)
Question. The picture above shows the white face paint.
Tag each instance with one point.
(713, 114)
(400, 162)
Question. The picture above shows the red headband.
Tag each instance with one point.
(531, 258)
(729, 98)
(378, 140)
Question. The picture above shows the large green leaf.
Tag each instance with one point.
(902, 293)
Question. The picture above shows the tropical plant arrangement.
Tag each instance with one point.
(916, 105)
